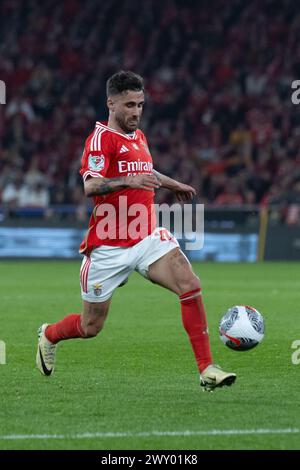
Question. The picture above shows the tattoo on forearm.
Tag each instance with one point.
(105, 188)
(106, 185)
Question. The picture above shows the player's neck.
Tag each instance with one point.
(113, 125)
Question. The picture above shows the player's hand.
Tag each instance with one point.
(184, 192)
(148, 182)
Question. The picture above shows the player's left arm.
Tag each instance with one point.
(183, 192)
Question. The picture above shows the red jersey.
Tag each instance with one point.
(124, 217)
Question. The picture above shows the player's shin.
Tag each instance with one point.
(67, 328)
(195, 324)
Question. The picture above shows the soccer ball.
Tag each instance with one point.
(241, 328)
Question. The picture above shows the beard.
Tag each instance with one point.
(128, 125)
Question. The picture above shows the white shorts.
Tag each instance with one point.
(108, 266)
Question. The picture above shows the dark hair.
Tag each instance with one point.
(123, 81)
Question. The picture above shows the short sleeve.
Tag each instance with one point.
(96, 155)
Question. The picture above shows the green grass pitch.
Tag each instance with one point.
(136, 385)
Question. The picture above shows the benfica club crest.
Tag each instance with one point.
(97, 289)
(96, 162)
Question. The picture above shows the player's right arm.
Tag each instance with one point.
(97, 186)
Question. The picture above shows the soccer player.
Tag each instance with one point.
(118, 174)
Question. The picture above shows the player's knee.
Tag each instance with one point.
(188, 284)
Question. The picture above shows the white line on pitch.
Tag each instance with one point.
(104, 435)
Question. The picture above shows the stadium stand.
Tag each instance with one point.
(218, 75)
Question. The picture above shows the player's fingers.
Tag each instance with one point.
(152, 179)
(148, 187)
(156, 177)
(152, 183)
(187, 196)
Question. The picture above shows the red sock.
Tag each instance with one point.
(67, 328)
(194, 322)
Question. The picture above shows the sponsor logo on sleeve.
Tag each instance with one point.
(96, 162)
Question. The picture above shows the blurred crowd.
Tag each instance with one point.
(218, 112)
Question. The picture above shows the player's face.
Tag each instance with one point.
(127, 108)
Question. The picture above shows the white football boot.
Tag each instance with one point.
(213, 376)
(45, 356)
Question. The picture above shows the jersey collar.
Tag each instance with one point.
(131, 136)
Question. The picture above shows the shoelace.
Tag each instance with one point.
(49, 351)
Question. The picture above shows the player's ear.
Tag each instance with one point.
(110, 104)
